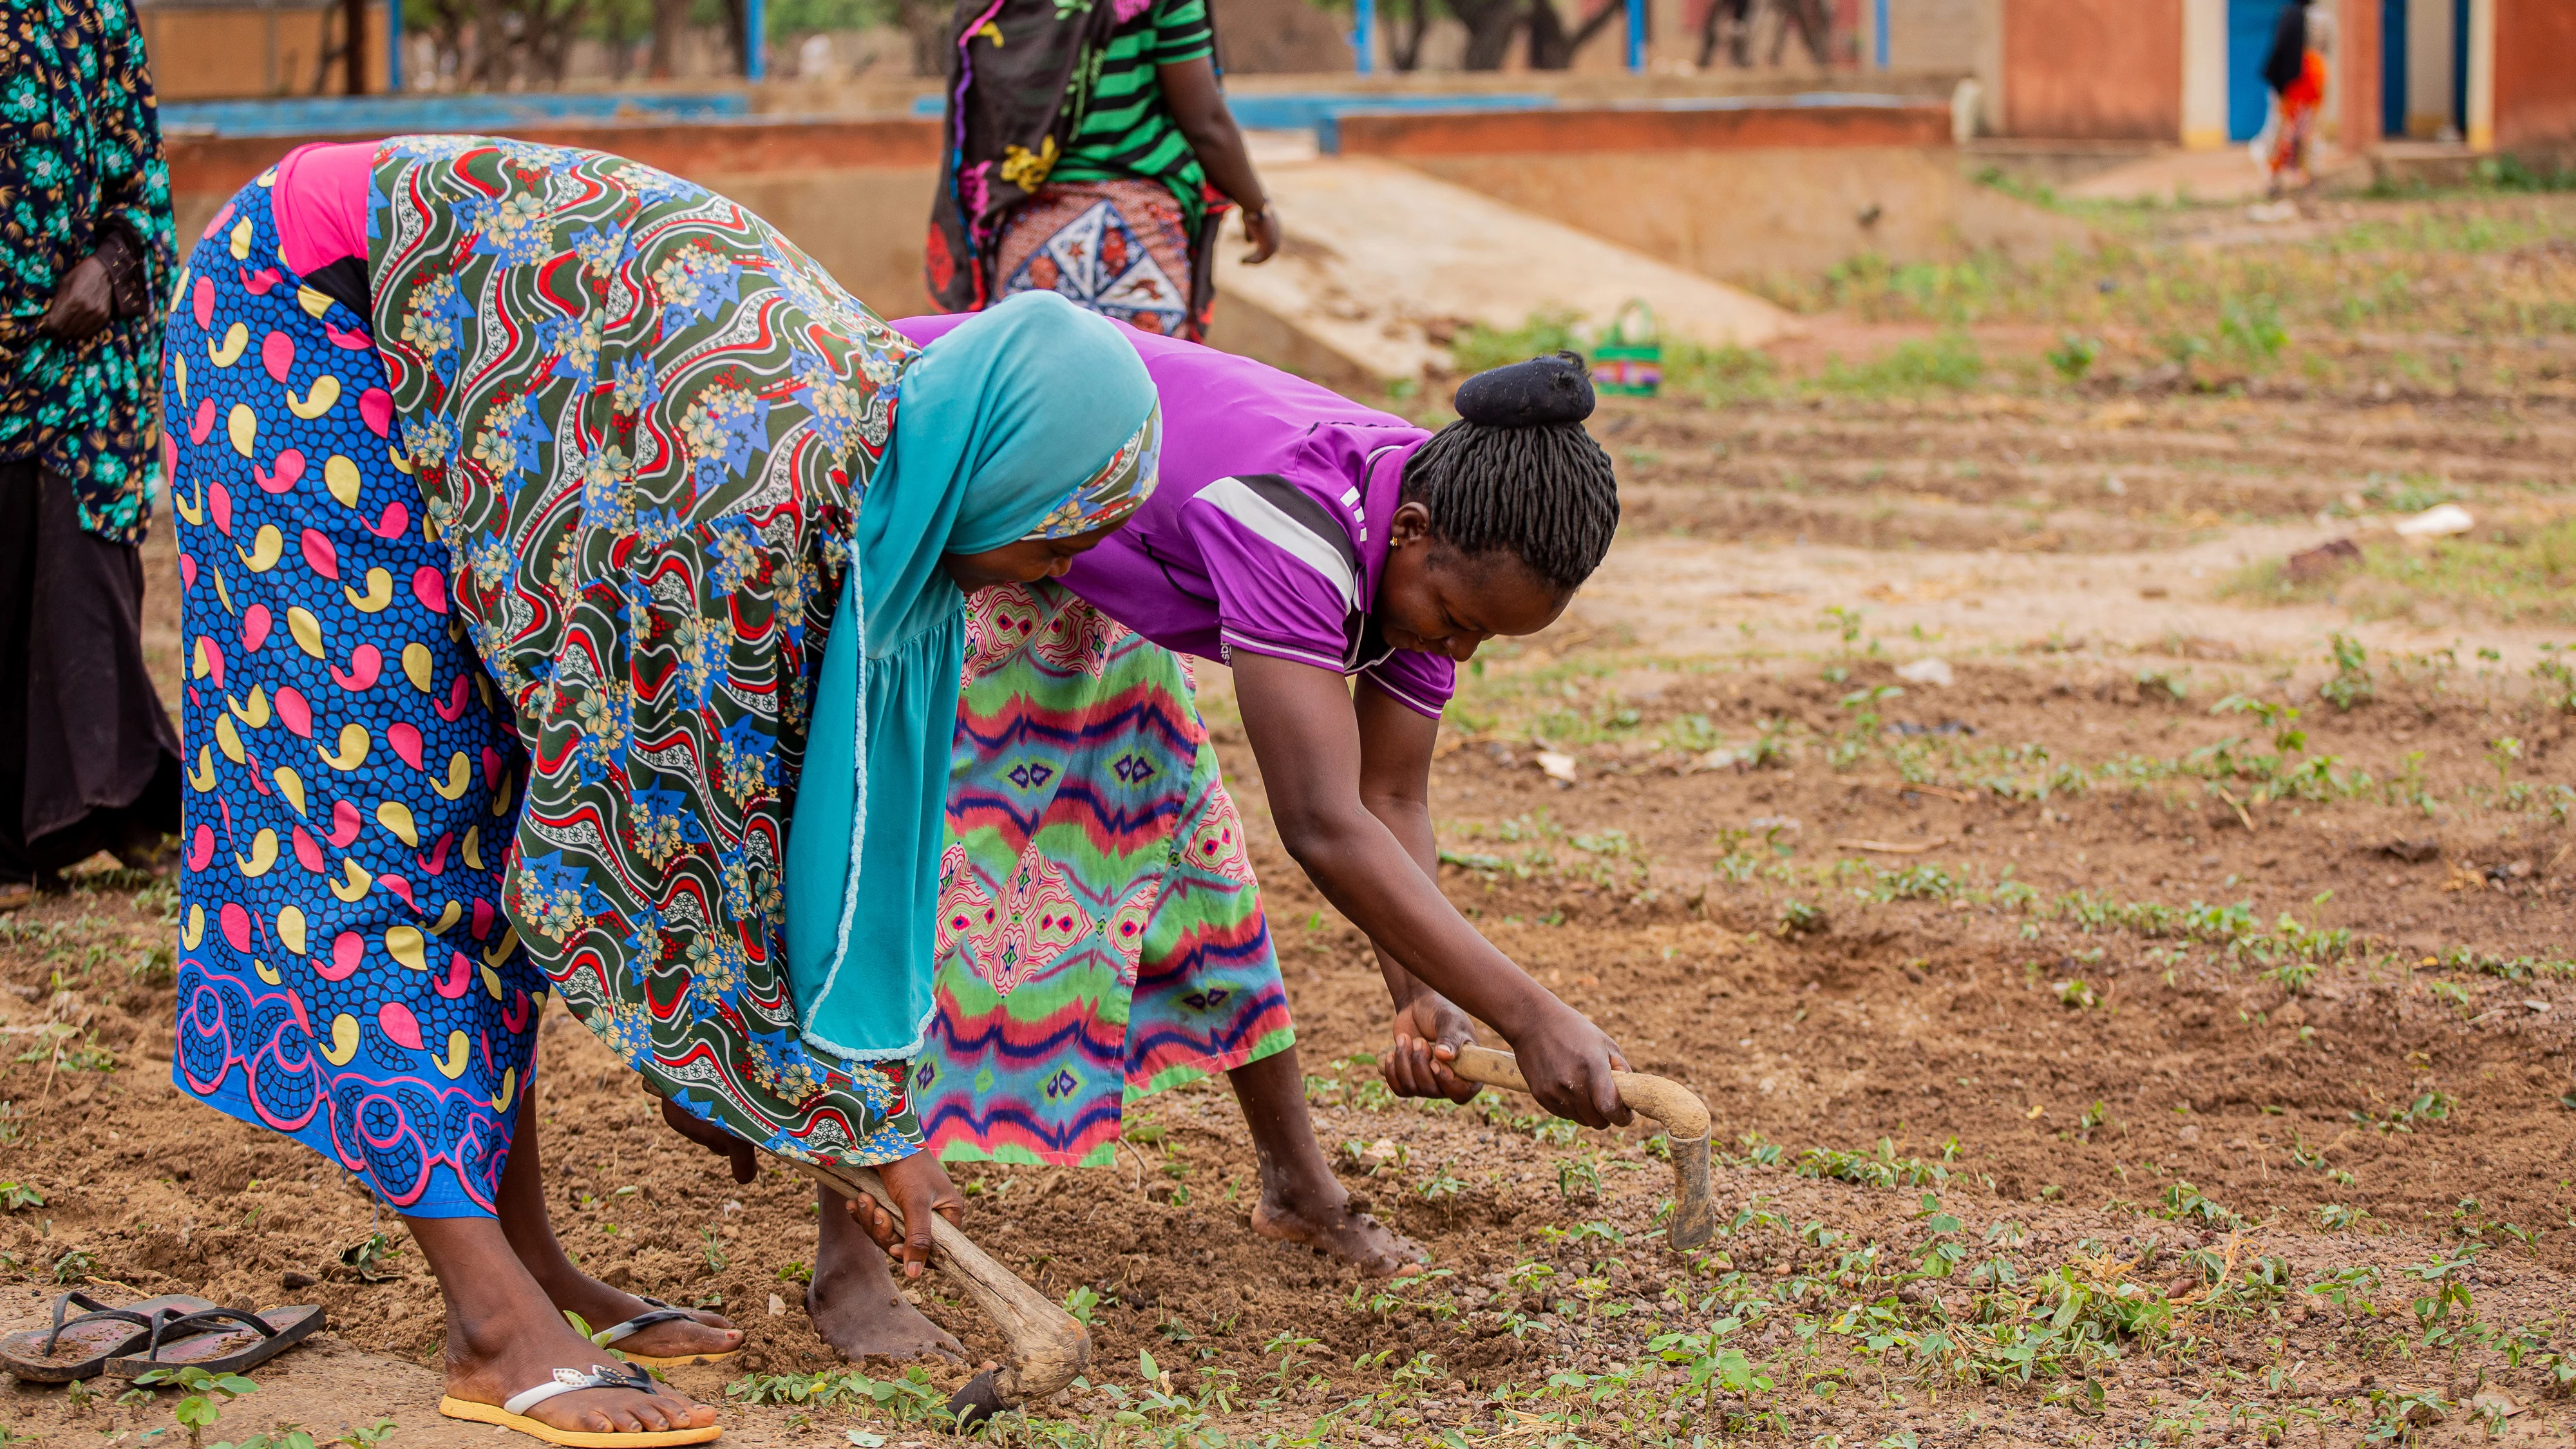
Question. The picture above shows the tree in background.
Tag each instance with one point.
(1552, 46)
(502, 44)
(1491, 26)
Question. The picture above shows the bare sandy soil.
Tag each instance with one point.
(2090, 1065)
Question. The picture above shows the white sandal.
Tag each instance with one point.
(512, 1414)
(655, 1312)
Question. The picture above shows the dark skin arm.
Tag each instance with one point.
(1395, 786)
(1305, 730)
(1190, 93)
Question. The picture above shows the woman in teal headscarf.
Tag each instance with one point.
(550, 736)
(986, 433)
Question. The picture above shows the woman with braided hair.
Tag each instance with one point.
(1100, 933)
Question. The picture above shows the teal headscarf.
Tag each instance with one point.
(1034, 419)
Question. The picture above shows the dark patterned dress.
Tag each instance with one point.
(87, 757)
(80, 158)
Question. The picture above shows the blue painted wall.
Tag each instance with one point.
(2249, 39)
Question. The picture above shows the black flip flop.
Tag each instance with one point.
(79, 1347)
(220, 1340)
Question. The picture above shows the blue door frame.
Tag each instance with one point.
(2460, 66)
(2392, 67)
(2249, 38)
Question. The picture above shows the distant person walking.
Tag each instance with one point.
(1089, 152)
(2296, 72)
(88, 761)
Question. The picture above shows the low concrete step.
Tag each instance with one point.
(1383, 265)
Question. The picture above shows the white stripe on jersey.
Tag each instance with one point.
(1236, 500)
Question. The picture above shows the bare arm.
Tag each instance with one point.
(1395, 786)
(1197, 105)
(1305, 730)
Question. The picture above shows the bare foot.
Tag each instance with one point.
(602, 1307)
(1334, 1228)
(528, 1357)
(853, 1301)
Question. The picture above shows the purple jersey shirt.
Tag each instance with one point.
(1268, 530)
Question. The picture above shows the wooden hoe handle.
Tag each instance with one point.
(1047, 1347)
(1686, 1130)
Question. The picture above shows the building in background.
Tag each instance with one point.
(2488, 74)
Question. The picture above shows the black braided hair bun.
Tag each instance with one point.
(1517, 473)
(1527, 394)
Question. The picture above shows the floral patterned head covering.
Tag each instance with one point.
(1120, 487)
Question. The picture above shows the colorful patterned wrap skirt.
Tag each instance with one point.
(1119, 248)
(643, 421)
(500, 608)
(1100, 933)
(345, 975)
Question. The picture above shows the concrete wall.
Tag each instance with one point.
(1673, 127)
(1267, 36)
(1730, 194)
(1933, 35)
(219, 54)
(2093, 69)
(2535, 76)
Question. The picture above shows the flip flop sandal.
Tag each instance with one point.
(513, 1413)
(79, 1347)
(220, 1340)
(656, 1311)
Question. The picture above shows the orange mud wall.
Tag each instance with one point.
(854, 194)
(2108, 70)
(199, 54)
(2535, 75)
(2358, 48)
(1733, 194)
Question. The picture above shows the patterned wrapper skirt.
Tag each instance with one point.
(498, 609)
(345, 973)
(1122, 249)
(1100, 936)
(642, 421)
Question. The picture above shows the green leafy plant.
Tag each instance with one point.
(2352, 685)
(367, 1257)
(1082, 1302)
(199, 1409)
(2074, 355)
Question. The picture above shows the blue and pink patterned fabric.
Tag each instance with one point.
(345, 976)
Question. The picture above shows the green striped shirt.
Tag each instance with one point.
(1122, 127)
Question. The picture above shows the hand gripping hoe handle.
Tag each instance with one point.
(1686, 1129)
(1047, 1347)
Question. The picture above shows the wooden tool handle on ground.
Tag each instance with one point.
(1048, 1348)
(1686, 1131)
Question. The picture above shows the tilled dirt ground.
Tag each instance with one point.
(2091, 1064)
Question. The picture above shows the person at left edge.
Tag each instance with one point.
(88, 761)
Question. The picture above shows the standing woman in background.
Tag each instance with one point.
(1089, 153)
(87, 758)
(2295, 69)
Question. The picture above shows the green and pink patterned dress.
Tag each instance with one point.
(1100, 933)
